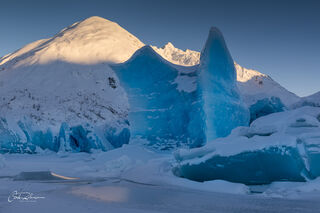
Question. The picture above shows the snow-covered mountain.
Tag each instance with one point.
(91, 41)
(66, 79)
(253, 85)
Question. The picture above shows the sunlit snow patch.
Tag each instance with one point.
(41, 176)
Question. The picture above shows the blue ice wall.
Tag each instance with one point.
(79, 138)
(159, 112)
(223, 109)
(10, 142)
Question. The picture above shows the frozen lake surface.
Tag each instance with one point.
(134, 179)
(115, 195)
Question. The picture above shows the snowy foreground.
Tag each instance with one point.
(136, 179)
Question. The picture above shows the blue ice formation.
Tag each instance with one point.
(10, 142)
(169, 117)
(258, 167)
(159, 112)
(282, 146)
(265, 107)
(223, 109)
(80, 138)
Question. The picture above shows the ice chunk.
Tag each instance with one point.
(282, 146)
(159, 111)
(223, 109)
(249, 167)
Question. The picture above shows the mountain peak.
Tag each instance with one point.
(169, 45)
(95, 20)
(177, 56)
(91, 41)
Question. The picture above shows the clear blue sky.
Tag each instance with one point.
(278, 37)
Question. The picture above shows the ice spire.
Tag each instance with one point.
(222, 107)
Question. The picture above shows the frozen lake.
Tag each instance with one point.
(115, 195)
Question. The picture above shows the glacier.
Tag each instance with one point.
(283, 146)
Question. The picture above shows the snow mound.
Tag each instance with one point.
(282, 146)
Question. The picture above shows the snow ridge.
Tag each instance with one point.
(177, 56)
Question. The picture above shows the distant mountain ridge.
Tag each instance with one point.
(253, 85)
